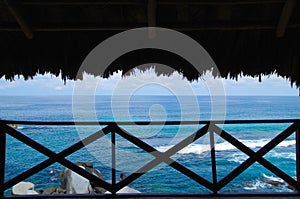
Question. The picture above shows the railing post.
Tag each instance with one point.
(2, 161)
(213, 160)
(297, 155)
(113, 162)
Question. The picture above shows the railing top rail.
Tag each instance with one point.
(92, 123)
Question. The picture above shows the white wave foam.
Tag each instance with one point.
(272, 178)
(255, 185)
(238, 157)
(263, 142)
(287, 143)
(193, 148)
(224, 146)
(285, 155)
(260, 184)
(267, 182)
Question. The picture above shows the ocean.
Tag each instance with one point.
(129, 158)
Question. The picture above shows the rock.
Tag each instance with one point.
(75, 184)
(60, 175)
(60, 191)
(122, 176)
(14, 126)
(85, 164)
(128, 190)
(125, 189)
(95, 172)
(100, 190)
(23, 188)
(30, 192)
(50, 190)
(272, 182)
(40, 191)
(291, 187)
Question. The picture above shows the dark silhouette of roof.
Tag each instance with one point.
(250, 37)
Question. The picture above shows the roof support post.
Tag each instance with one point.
(12, 6)
(152, 4)
(285, 17)
(297, 155)
(2, 161)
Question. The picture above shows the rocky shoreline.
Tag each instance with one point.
(71, 183)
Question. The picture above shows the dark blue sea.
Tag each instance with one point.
(129, 158)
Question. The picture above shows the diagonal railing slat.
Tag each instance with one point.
(28, 173)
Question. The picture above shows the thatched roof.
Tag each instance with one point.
(250, 37)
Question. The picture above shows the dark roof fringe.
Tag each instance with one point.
(253, 37)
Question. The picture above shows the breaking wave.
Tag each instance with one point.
(224, 146)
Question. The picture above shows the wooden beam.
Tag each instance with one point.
(152, 4)
(142, 2)
(218, 3)
(127, 27)
(82, 2)
(152, 13)
(285, 17)
(19, 18)
(182, 13)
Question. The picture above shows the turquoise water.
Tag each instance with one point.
(161, 179)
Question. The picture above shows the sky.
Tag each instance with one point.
(147, 83)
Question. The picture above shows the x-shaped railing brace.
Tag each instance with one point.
(163, 157)
(55, 157)
(257, 156)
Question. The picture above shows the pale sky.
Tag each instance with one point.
(148, 83)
